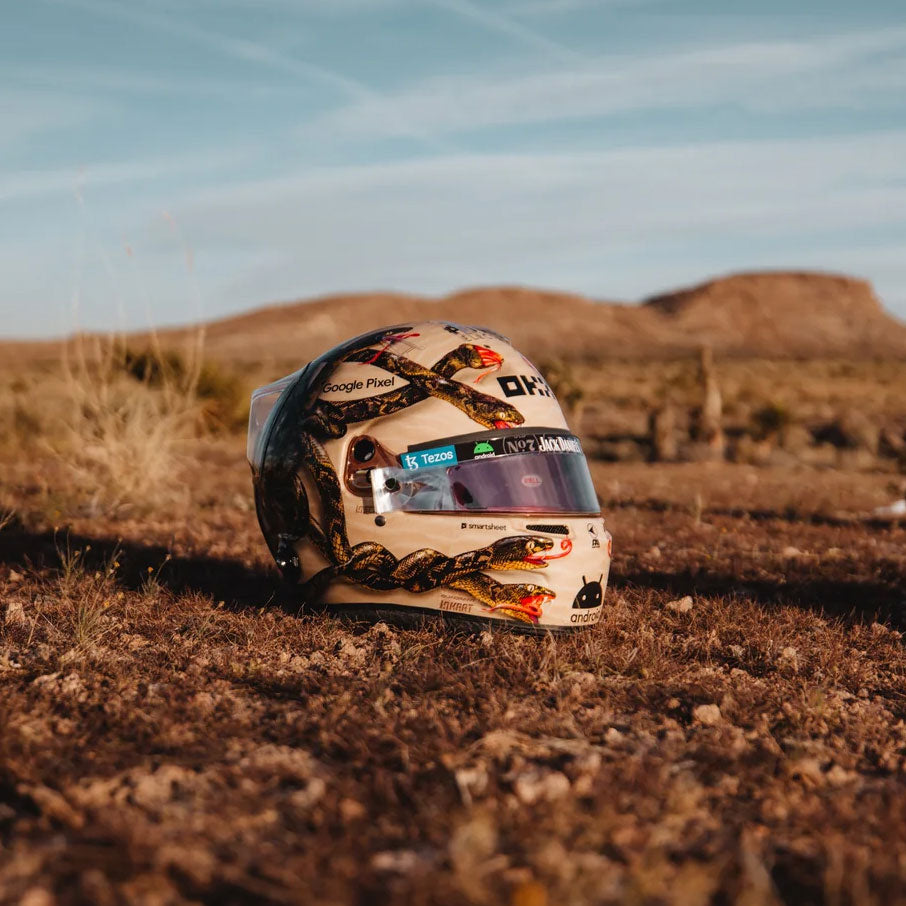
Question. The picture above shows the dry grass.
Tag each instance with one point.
(124, 440)
(120, 423)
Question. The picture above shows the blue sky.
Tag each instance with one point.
(163, 161)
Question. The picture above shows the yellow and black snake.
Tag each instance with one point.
(283, 502)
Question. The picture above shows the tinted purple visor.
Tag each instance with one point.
(518, 483)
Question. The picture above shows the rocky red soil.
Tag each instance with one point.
(732, 731)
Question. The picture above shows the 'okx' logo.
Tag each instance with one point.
(523, 385)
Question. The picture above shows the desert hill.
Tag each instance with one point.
(767, 314)
(774, 315)
(783, 313)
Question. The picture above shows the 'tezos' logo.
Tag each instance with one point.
(422, 459)
(523, 385)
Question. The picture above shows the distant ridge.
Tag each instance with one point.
(766, 314)
(785, 313)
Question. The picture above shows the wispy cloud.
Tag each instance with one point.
(27, 113)
(107, 81)
(780, 74)
(508, 27)
(32, 184)
(242, 49)
(615, 223)
(256, 53)
(543, 8)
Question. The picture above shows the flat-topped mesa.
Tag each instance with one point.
(783, 314)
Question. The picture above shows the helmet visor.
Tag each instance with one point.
(264, 399)
(518, 483)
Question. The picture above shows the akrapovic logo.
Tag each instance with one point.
(524, 385)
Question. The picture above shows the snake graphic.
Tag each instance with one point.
(282, 500)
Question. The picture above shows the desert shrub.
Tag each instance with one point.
(224, 397)
(769, 420)
(563, 381)
(123, 440)
(850, 431)
(221, 394)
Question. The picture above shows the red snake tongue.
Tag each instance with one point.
(491, 360)
(500, 423)
(541, 559)
(535, 600)
(530, 605)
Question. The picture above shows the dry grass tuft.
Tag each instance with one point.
(6, 518)
(84, 594)
(124, 441)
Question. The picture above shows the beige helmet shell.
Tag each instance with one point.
(410, 394)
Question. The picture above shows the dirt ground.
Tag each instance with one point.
(732, 732)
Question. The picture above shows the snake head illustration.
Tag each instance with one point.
(471, 355)
(540, 559)
(526, 601)
(503, 415)
(526, 552)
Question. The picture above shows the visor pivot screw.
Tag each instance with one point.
(380, 520)
(391, 484)
(363, 450)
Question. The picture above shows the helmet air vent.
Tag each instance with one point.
(548, 529)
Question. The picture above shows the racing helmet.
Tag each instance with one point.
(428, 467)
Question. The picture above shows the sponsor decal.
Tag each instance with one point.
(424, 459)
(474, 333)
(451, 454)
(532, 481)
(541, 443)
(484, 526)
(524, 385)
(585, 617)
(590, 595)
(595, 541)
(456, 606)
(372, 383)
